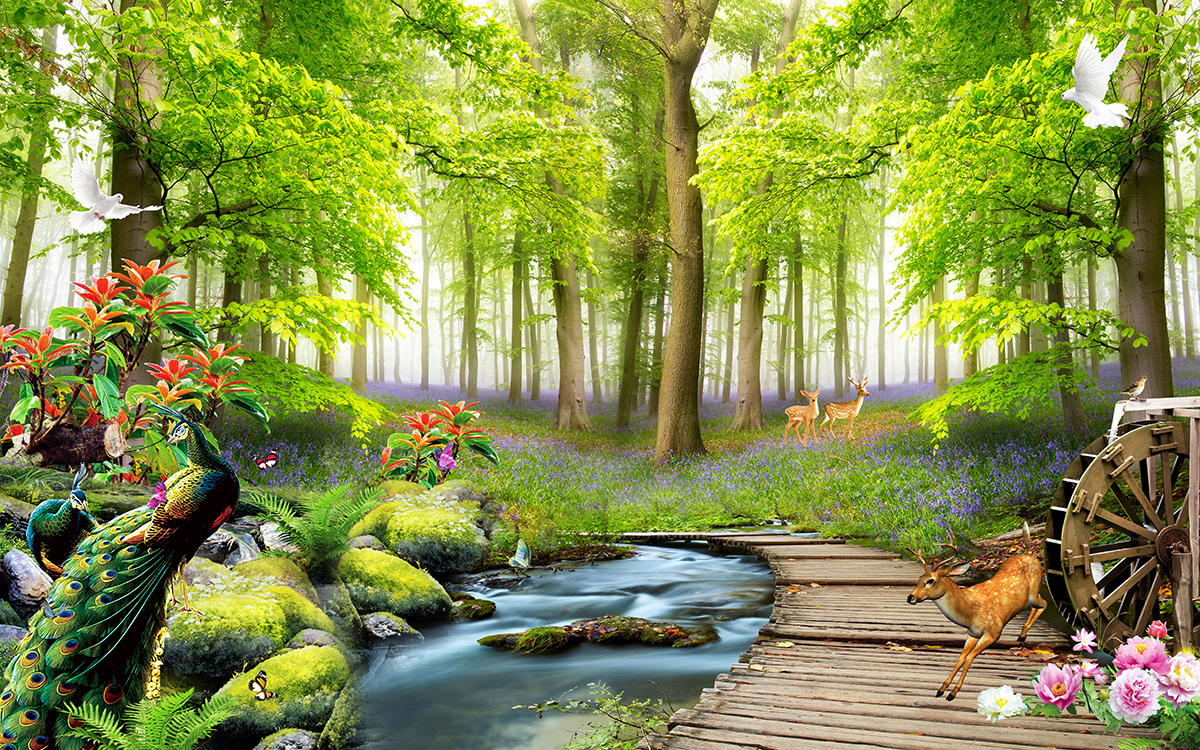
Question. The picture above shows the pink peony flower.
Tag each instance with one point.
(1058, 685)
(1180, 682)
(1133, 696)
(1092, 670)
(1157, 629)
(1141, 653)
(1085, 640)
(160, 495)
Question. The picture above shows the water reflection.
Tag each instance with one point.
(452, 693)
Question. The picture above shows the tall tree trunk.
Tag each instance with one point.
(1073, 417)
(1023, 342)
(907, 341)
(325, 360)
(750, 335)
(358, 356)
(685, 33)
(840, 328)
(881, 344)
(516, 353)
(292, 357)
(1189, 331)
(815, 329)
(798, 314)
(593, 348)
(1176, 327)
(727, 385)
(396, 348)
(923, 358)
(1091, 281)
(470, 336)
(18, 264)
(424, 206)
(232, 292)
(264, 292)
(656, 363)
(970, 356)
(784, 330)
(535, 345)
(1142, 194)
(941, 364)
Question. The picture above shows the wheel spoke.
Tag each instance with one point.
(1150, 606)
(1143, 501)
(1167, 504)
(1128, 506)
(1109, 552)
(1144, 570)
(1122, 524)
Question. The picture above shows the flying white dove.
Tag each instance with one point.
(1091, 83)
(101, 207)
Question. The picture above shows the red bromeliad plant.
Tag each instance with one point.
(432, 447)
(75, 404)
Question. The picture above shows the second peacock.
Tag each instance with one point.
(95, 640)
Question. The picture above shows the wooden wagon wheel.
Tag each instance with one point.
(1115, 521)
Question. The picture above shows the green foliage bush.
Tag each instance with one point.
(153, 724)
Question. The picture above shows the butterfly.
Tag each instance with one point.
(268, 461)
(258, 686)
(521, 558)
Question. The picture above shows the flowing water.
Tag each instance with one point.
(452, 693)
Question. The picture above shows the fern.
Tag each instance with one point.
(162, 724)
(318, 525)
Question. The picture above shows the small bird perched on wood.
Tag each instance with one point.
(1135, 390)
(1091, 83)
(56, 527)
(100, 207)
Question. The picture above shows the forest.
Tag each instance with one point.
(587, 258)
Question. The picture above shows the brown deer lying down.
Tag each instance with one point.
(983, 609)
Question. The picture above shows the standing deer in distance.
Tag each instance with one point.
(836, 410)
(983, 609)
(802, 415)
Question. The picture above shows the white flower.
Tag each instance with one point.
(1000, 703)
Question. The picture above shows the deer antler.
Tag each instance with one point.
(919, 556)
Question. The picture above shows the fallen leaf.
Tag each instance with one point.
(814, 585)
(756, 667)
(784, 644)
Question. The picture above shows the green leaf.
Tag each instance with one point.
(114, 354)
(185, 329)
(159, 456)
(110, 397)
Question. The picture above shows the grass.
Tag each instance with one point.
(889, 483)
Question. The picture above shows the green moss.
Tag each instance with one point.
(379, 582)
(343, 723)
(301, 614)
(542, 640)
(374, 523)
(236, 629)
(307, 682)
(398, 488)
(472, 609)
(442, 539)
(277, 741)
(284, 569)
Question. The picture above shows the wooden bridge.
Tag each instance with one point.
(846, 662)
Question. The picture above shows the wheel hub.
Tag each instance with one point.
(1170, 540)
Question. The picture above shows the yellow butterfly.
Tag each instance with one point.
(258, 686)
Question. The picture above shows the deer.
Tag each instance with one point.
(836, 410)
(983, 609)
(802, 414)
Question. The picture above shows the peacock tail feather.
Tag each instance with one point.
(99, 644)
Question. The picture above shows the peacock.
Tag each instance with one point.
(56, 527)
(97, 639)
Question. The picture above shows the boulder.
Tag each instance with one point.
(306, 683)
(342, 726)
(610, 629)
(379, 582)
(273, 539)
(384, 626)
(437, 534)
(27, 584)
(246, 619)
(111, 500)
(14, 514)
(10, 638)
(312, 637)
(289, 739)
(8, 615)
(229, 547)
(284, 570)
(470, 608)
(366, 541)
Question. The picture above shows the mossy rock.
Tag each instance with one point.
(247, 617)
(342, 726)
(398, 488)
(290, 739)
(236, 629)
(430, 530)
(611, 629)
(307, 683)
(111, 500)
(470, 608)
(285, 570)
(336, 602)
(9, 617)
(542, 640)
(379, 582)
(375, 522)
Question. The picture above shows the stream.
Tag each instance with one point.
(452, 693)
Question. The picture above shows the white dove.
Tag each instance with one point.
(101, 207)
(1091, 83)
